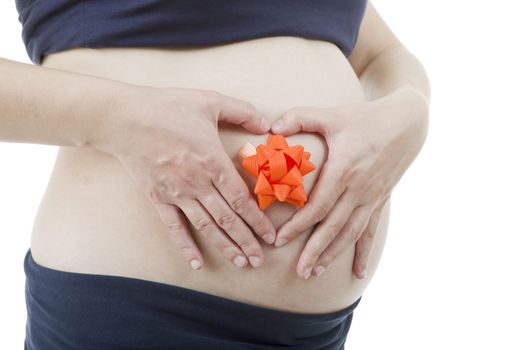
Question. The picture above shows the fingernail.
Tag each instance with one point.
(307, 272)
(195, 264)
(269, 238)
(281, 241)
(278, 126)
(255, 261)
(319, 270)
(239, 260)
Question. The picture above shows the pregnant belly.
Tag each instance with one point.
(94, 219)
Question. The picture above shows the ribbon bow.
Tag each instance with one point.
(279, 169)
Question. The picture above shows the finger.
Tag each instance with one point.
(205, 224)
(236, 193)
(350, 232)
(323, 197)
(239, 112)
(365, 243)
(309, 119)
(325, 232)
(233, 226)
(174, 220)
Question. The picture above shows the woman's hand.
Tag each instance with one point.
(168, 140)
(371, 144)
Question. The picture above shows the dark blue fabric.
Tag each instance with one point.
(53, 25)
(67, 310)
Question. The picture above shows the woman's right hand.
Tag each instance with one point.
(168, 140)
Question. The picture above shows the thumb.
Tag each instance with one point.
(235, 111)
(297, 119)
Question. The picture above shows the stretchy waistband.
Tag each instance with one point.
(68, 310)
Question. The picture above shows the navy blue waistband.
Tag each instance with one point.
(69, 310)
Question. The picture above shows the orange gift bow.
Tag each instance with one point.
(279, 169)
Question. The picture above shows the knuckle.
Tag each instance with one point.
(320, 212)
(213, 163)
(228, 250)
(203, 225)
(244, 245)
(157, 193)
(185, 248)
(260, 225)
(160, 177)
(239, 202)
(314, 251)
(154, 196)
(333, 230)
(373, 146)
(328, 258)
(224, 248)
(353, 232)
(189, 179)
(226, 221)
(361, 186)
(345, 174)
(370, 234)
(347, 177)
(174, 227)
(255, 219)
(162, 190)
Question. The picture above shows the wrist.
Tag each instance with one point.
(407, 95)
(106, 120)
(402, 113)
(405, 103)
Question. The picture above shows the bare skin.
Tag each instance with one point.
(372, 143)
(96, 217)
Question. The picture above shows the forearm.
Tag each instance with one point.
(53, 107)
(398, 82)
(393, 69)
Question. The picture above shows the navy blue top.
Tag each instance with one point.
(54, 25)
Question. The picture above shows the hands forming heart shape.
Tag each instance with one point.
(371, 144)
(189, 175)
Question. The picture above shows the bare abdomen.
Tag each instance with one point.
(94, 219)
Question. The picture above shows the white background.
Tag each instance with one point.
(452, 274)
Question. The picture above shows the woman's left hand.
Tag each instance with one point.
(371, 144)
